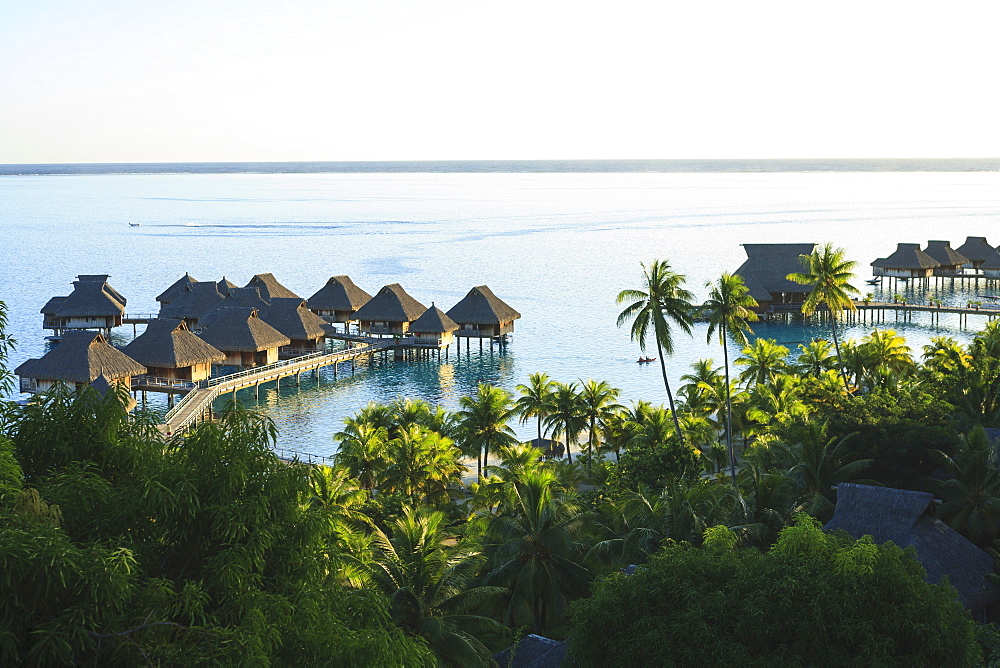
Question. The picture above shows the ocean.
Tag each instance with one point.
(557, 241)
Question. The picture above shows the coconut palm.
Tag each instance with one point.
(728, 312)
(652, 311)
(597, 406)
(363, 451)
(971, 496)
(483, 422)
(888, 357)
(535, 400)
(816, 357)
(566, 417)
(703, 390)
(764, 359)
(828, 273)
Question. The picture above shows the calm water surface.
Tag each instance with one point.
(557, 247)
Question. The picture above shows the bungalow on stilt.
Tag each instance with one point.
(389, 312)
(765, 273)
(245, 339)
(338, 301)
(270, 288)
(175, 290)
(433, 329)
(290, 316)
(193, 303)
(908, 262)
(951, 263)
(483, 315)
(93, 304)
(169, 350)
(78, 360)
(976, 249)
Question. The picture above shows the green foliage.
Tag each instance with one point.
(813, 599)
(655, 460)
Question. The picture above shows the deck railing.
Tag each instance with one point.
(163, 382)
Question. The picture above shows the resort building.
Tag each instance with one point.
(244, 338)
(225, 285)
(433, 329)
(907, 519)
(193, 303)
(765, 273)
(991, 265)
(78, 360)
(389, 312)
(950, 262)
(907, 262)
(175, 290)
(291, 317)
(976, 249)
(93, 304)
(270, 288)
(102, 385)
(338, 301)
(169, 350)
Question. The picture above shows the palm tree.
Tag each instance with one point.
(728, 311)
(597, 405)
(828, 272)
(764, 360)
(816, 357)
(535, 400)
(566, 417)
(971, 497)
(888, 356)
(363, 451)
(483, 421)
(651, 311)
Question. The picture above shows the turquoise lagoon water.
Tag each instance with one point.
(557, 246)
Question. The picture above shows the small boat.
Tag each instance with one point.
(872, 281)
(646, 360)
(133, 224)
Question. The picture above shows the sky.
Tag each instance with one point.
(221, 80)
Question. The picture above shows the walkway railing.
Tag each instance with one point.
(261, 369)
(163, 382)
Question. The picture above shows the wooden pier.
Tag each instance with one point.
(876, 311)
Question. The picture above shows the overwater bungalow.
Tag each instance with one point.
(991, 265)
(389, 312)
(907, 519)
(93, 304)
(976, 249)
(765, 274)
(225, 285)
(245, 339)
(102, 385)
(291, 317)
(951, 263)
(244, 297)
(270, 288)
(168, 349)
(481, 314)
(907, 262)
(193, 303)
(175, 290)
(338, 301)
(78, 359)
(433, 329)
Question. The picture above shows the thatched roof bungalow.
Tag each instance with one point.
(78, 360)
(225, 285)
(991, 265)
(244, 337)
(193, 303)
(482, 314)
(93, 304)
(533, 651)
(102, 385)
(338, 300)
(168, 349)
(389, 312)
(270, 288)
(765, 273)
(976, 249)
(907, 262)
(907, 519)
(175, 290)
(433, 328)
(291, 317)
(951, 262)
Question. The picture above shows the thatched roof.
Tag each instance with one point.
(175, 289)
(52, 306)
(238, 329)
(533, 651)
(481, 307)
(225, 284)
(767, 266)
(103, 386)
(944, 253)
(80, 357)
(339, 294)
(976, 249)
(91, 298)
(171, 345)
(245, 297)
(905, 518)
(291, 317)
(433, 321)
(991, 262)
(391, 304)
(194, 301)
(907, 256)
(102, 279)
(270, 288)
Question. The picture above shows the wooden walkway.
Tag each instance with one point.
(198, 402)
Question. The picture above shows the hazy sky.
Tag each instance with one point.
(205, 80)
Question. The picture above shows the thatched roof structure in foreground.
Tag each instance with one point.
(269, 287)
(433, 321)
(339, 294)
(907, 256)
(171, 345)
(238, 329)
(80, 357)
(391, 304)
(481, 307)
(533, 651)
(977, 249)
(175, 289)
(945, 254)
(906, 518)
(765, 271)
(103, 386)
(91, 296)
(291, 317)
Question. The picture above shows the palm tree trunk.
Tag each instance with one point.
(729, 409)
(569, 455)
(840, 361)
(670, 395)
(539, 430)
